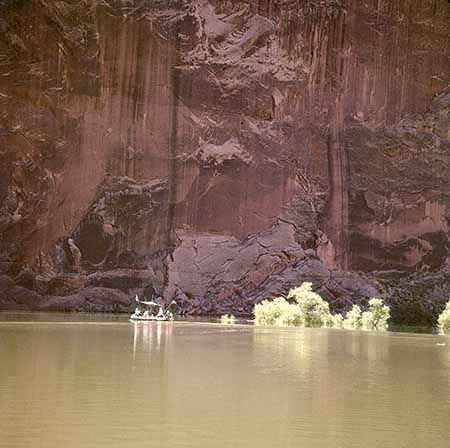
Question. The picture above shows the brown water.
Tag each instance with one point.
(112, 383)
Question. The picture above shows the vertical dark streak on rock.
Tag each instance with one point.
(173, 142)
(338, 206)
(337, 212)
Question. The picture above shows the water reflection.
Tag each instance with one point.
(350, 388)
(148, 337)
(180, 385)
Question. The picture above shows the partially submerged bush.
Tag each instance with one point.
(353, 320)
(377, 317)
(291, 317)
(315, 311)
(227, 319)
(277, 312)
(310, 310)
(337, 321)
(444, 320)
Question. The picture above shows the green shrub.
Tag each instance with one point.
(291, 317)
(377, 317)
(444, 320)
(337, 321)
(353, 320)
(412, 313)
(268, 312)
(316, 312)
(227, 319)
(310, 310)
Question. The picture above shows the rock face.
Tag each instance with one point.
(223, 151)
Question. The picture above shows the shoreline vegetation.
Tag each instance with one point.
(305, 308)
(227, 319)
(444, 320)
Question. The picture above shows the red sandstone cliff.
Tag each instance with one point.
(223, 149)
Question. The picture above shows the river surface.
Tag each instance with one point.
(83, 382)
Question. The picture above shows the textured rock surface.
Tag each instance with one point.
(223, 151)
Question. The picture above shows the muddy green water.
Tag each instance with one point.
(105, 382)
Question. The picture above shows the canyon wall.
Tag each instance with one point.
(223, 151)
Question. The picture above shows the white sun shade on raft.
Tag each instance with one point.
(151, 303)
